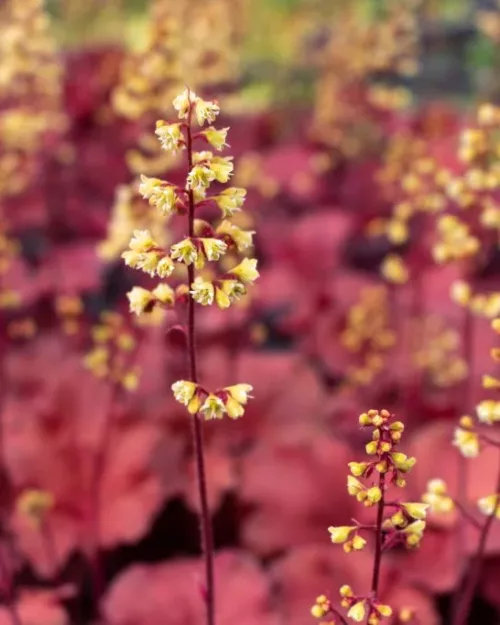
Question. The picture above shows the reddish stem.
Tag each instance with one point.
(379, 537)
(205, 521)
(472, 579)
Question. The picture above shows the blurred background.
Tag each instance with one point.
(359, 129)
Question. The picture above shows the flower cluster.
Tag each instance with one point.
(230, 400)
(397, 522)
(112, 354)
(204, 243)
(480, 304)
(368, 334)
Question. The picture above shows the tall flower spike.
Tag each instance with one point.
(203, 243)
(396, 522)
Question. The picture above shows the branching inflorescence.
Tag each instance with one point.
(204, 243)
(396, 522)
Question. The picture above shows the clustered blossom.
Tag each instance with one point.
(113, 351)
(204, 243)
(398, 522)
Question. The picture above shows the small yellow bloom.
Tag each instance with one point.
(34, 504)
(222, 299)
(414, 533)
(229, 291)
(402, 462)
(216, 138)
(184, 391)
(202, 291)
(158, 194)
(357, 611)
(358, 543)
(246, 271)
(148, 262)
(242, 239)
(142, 241)
(488, 411)
(165, 267)
(185, 251)
(339, 535)
(384, 610)
(200, 177)
(170, 136)
(221, 167)
(205, 110)
(230, 200)
(237, 397)
(354, 486)
(213, 407)
(490, 382)
(213, 248)
(394, 270)
(140, 300)
(489, 505)
(373, 496)
(416, 511)
(358, 468)
(346, 591)
(467, 442)
(371, 448)
(164, 294)
(461, 292)
(183, 101)
(437, 497)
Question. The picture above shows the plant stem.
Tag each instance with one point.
(379, 537)
(472, 579)
(462, 476)
(206, 526)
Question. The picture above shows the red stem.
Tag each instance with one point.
(205, 521)
(379, 537)
(472, 579)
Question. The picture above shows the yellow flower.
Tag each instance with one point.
(164, 294)
(165, 267)
(246, 271)
(354, 486)
(414, 533)
(461, 292)
(237, 397)
(402, 462)
(384, 610)
(206, 111)
(185, 251)
(200, 177)
(437, 497)
(34, 504)
(142, 241)
(321, 607)
(202, 291)
(489, 505)
(131, 258)
(186, 393)
(358, 543)
(216, 138)
(490, 382)
(416, 511)
(148, 262)
(241, 238)
(373, 496)
(229, 291)
(488, 411)
(170, 136)
(158, 194)
(346, 591)
(213, 248)
(183, 101)
(230, 200)
(467, 442)
(221, 167)
(213, 407)
(394, 270)
(358, 468)
(340, 534)
(140, 300)
(357, 611)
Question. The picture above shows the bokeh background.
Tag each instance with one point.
(347, 125)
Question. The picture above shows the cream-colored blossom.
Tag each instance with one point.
(202, 291)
